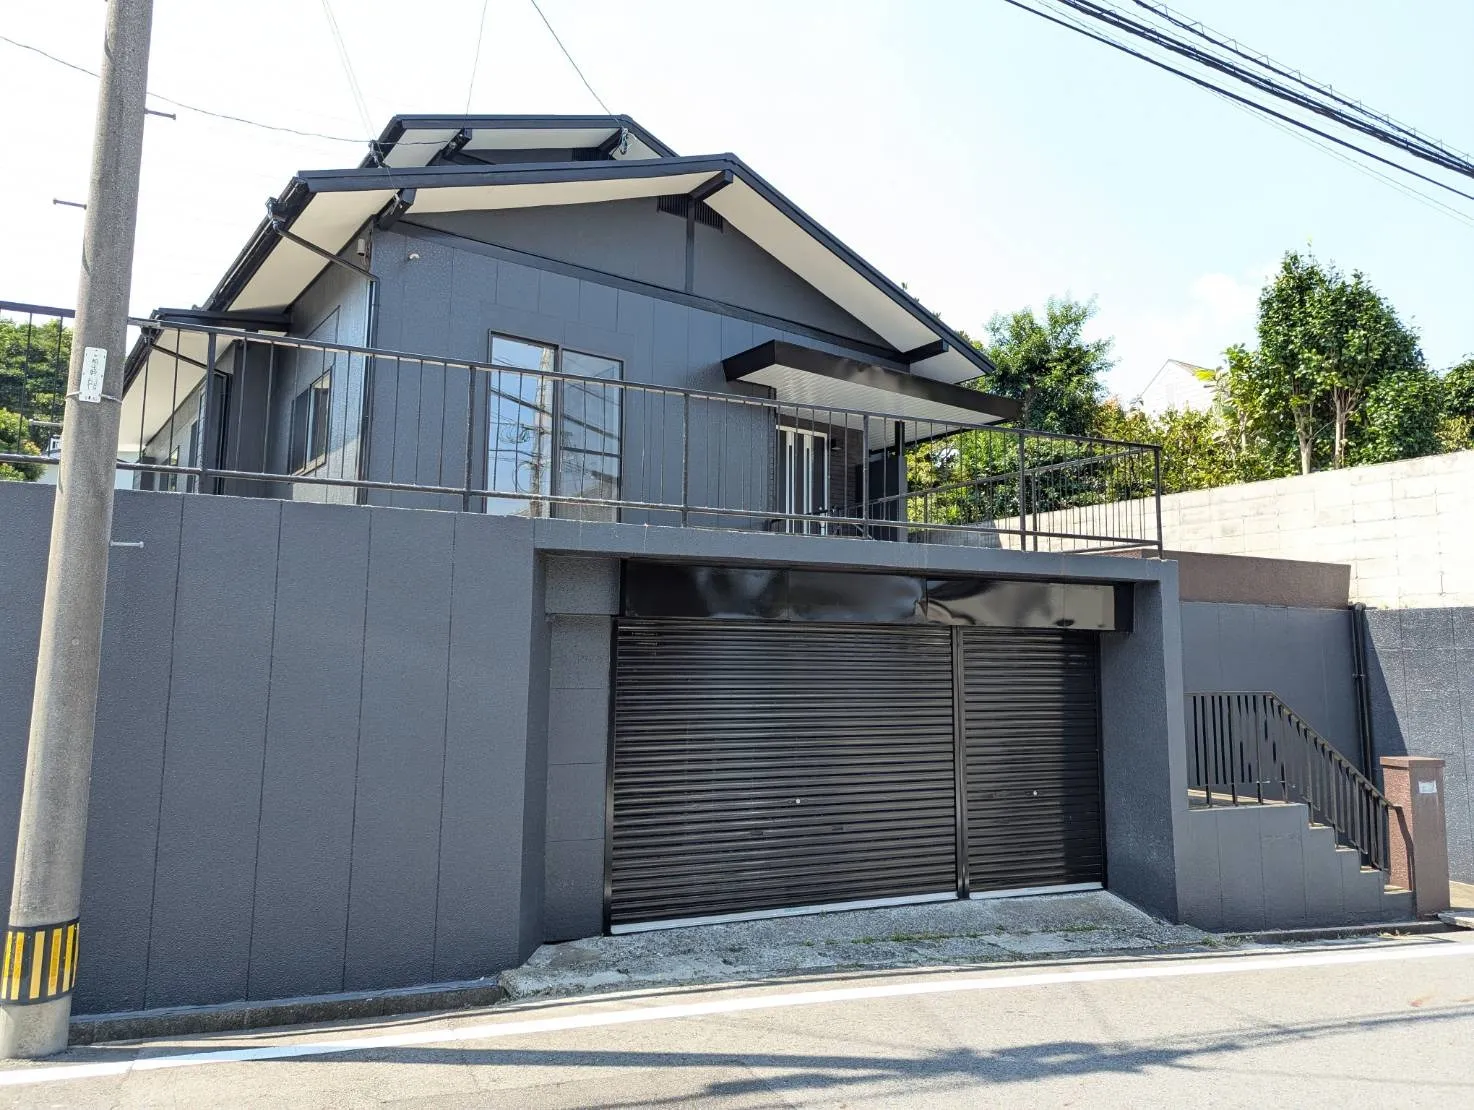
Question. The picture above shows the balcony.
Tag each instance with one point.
(538, 431)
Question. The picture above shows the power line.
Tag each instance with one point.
(1258, 57)
(1255, 105)
(363, 113)
(1294, 132)
(189, 107)
(1374, 127)
(571, 62)
(476, 60)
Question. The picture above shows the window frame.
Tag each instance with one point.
(555, 419)
(311, 461)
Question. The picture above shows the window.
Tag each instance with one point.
(310, 426)
(550, 438)
(803, 478)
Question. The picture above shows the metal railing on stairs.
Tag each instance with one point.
(1248, 748)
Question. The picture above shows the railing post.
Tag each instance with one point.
(208, 435)
(685, 458)
(865, 476)
(1023, 495)
(1157, 494)
(470, 435)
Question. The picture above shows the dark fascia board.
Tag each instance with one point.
(777, 352)
(250, 321)
(550, 172)
(287, 207)
(400, 124)
(526, 173)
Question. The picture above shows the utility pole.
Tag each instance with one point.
(38, 964)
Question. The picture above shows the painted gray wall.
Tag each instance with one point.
(1144, 754)
(582, 599)
(1247, 868)
(316, 727)
(448, 301)
(634, 239)
(1303, 655)
(1422, 688)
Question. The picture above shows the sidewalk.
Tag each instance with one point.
(938, 934)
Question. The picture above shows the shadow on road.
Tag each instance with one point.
(795, 1073)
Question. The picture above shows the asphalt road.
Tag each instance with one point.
(1382, 1024)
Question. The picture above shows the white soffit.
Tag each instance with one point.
(770, 229)
(329, 221)
(450, 198)
(417, 147)
(923, 418)
(161, 387)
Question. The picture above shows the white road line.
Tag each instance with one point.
(29, 1076)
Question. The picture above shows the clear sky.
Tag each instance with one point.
(982, 156)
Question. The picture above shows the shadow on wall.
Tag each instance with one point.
(1421, 680)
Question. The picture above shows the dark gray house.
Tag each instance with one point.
(600, 544)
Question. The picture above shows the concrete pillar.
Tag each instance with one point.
(1416, 784)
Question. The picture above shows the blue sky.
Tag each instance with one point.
(980, 155)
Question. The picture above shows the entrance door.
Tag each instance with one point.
(759, 766)
(803, 478)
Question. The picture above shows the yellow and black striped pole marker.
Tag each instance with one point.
(38, 963)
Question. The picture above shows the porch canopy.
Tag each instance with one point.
(804, 375)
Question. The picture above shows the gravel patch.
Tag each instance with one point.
(937, 934)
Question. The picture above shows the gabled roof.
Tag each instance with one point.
(411, 141)
(328, 207)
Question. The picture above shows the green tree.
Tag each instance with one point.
(1402, 417)
(1048, 366)
(1196, 446)
(1326, 344)
(15, 440)
(1456, 429)
(33, 368)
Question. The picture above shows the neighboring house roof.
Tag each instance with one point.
(1179, 385)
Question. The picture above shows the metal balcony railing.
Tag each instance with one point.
(226, 411)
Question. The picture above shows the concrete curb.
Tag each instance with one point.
(1346, 932)
(240, 1016)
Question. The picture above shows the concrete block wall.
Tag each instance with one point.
(1405, 528)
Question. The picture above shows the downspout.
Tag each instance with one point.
(1360, 678)
(371, 333)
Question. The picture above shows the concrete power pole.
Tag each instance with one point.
(38, 964)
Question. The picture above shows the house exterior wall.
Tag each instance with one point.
(1303, 655)
(634, 239)
(1421, 674)
(319, 733)
(449, 299)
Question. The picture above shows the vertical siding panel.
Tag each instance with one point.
(401, 748)
(213, 748)
(300, 914)
(128, 752)
(476, 927)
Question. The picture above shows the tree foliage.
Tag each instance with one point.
(34, 359)
(15, 440)
(1048, 366)
(1327, 344)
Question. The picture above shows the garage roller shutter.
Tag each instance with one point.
(759, 766)
(1032, 731)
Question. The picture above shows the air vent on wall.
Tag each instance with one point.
(705, 214)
